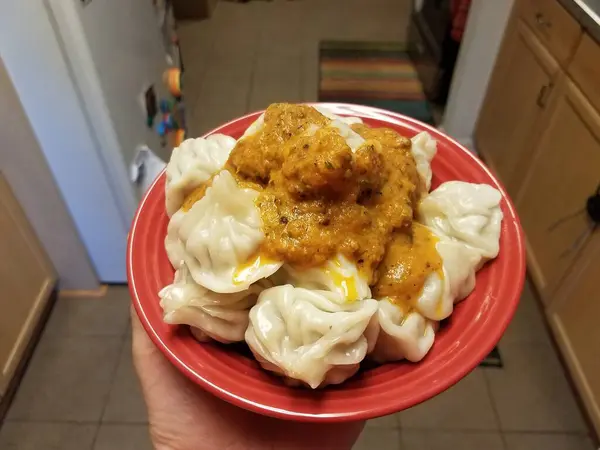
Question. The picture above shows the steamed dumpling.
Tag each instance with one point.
(222, 317)
(313, 337)
(353, 139)
(255, 126)
(459, 264)
(424, 148)
(348, 120)
(337, 275)
(466, 212)
(193, 163)
(342, 124)
(404, 333)
(219, 236)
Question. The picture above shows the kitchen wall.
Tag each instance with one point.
(481, 43)
(24, 166)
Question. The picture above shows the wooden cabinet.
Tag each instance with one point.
(539, 129)
(563, 174)
(517, 97)
(554, 26)
(27, 280)
(574, 320)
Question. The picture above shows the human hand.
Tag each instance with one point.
(182, 416)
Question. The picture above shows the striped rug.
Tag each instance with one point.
(378, 74)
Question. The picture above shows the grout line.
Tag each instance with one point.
(488, 388)
(549, 432)
(453, 430)
(55, 422)
(109, 391)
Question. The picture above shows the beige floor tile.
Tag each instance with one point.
(531, 392)
(125, 401)
(528, 325)
(285, 28)
(86, 316)
(276, 79)
(46, 436)
(237, 28)
(310, 75)
(123, 437)
(68, 379)
(465, 406)
(391, 421)
(223, 96)
(534, 441)
(455, 440)
(377, 438)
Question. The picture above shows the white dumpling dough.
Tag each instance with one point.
(424, 148)
(403, 334)
(337, 275)
(193, 163)
(218, 235)
(222, 317)
(353, 139)
(459, 264)
(255, 127)
(466, 212)
(348, 120)
(309, 336)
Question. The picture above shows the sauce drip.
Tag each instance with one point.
(409, 260)
(318, 198)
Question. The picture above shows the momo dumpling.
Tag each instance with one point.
(311, 337)
(218, 238)
(337, 275)
(424, 148)
(427, 272)
(439, 294)
(348, 120)
(193, 163)
(353, 139)
(467, 212)
(404, 333)
(255, 126)
(222, 317)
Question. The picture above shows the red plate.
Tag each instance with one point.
(462, 342)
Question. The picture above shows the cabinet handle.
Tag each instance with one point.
(541, 21)
(542, 97)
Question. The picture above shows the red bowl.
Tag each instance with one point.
(462, 342)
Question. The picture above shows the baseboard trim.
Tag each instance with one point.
(100, 292)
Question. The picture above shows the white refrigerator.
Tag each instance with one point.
(80, 69)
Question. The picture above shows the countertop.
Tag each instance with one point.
(587, 12)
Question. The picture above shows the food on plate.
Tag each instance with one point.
(193, 163)
(466, 212)
(317, 241)
(222, 317)
(311, 336)
(216, 234)
(337, 275)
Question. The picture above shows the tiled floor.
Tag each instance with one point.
(80, 391)
(249, 55)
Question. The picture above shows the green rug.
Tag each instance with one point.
(378, 74)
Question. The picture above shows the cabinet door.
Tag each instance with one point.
(564, 173)
(574, 320)
(517, 96)
(27, 279)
